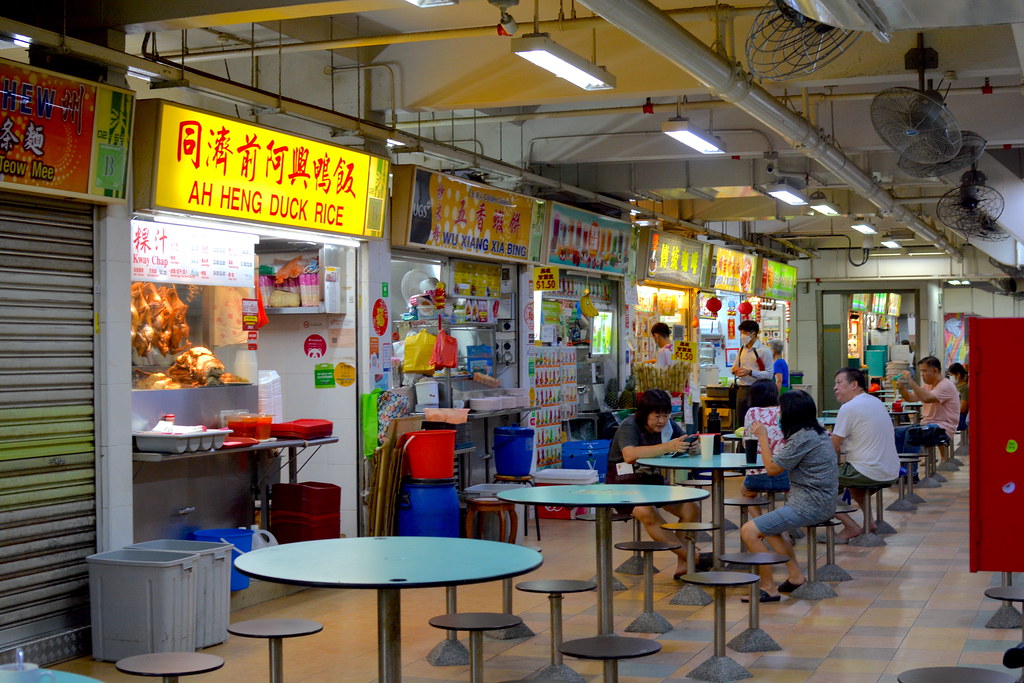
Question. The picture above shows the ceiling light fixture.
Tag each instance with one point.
(820, 203)
(562, 62)
(865, 228)
(690, 135)
(890, 244)
(432, 3)
(786, 190)
(953, 282)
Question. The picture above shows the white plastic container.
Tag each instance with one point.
(142, 601)
(486, 403)
(158, 442)
(427, 392)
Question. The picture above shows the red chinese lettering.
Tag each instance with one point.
(276, 160)
(141, 240)
(190, 135)
(515, 223)
(344, 178)
(322, 173)
(249, 153)
(498, 221)
(440, 190)
(479, 215)
(71, 107)
(460, 219)
(221, 150)
(300, 159)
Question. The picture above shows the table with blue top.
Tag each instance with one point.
(718, 465)
(603, 497)
(388, 564)
(61, 677)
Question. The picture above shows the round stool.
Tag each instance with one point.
(868, 539)
(479, 506)
(1007, 616)
(690, 594)
(743, 504)
(813, 589)
(525, 479)
(954, 674)
(555, 590)
(633, 566)
(830, 571)
(169, 665)
(476, 623)
(910, 460)
(649, 621)
(1007, 594)
(754, 639)
(610, 649)
(275, 631)
(719, 667)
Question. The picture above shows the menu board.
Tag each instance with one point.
(582, 239)
(778, 280)
(880, 304)
(859, 302)
(669, 259)
(895, 301)
(732, 271)
(191, 256)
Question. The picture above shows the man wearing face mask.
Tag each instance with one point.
(753, 362)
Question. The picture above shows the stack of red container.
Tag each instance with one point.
(308, 511)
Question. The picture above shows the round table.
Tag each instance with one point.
(388, 564)
(718, 464)
(68, 677)
(954, 674)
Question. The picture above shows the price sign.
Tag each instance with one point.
(545, 279)
(684, 351)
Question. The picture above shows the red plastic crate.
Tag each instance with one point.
(308, 497)
(557, 511)
(292, 528)
(302, 429)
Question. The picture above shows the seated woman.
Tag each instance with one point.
(809, 458)
(764, 408)
(649, 433)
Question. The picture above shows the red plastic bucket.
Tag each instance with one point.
(429, 454)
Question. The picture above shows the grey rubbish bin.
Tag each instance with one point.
(142, 601)
(213, 585)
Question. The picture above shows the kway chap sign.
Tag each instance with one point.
(208, 164)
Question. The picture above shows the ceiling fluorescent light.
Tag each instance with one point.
(965, 282)
(864, 228)
(819, 202)
(786, 191)
(562, 62)
(432, 3)
(890, 244)
(953, 282)
(692, 136)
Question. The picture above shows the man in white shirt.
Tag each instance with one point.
(663, 338)
(864, 431)
(753, 362)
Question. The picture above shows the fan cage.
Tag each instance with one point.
(971, 149)
(916, 124)
(784, 44)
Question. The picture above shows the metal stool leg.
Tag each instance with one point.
(690, 594)
(911, 496)
(882, 527)
(830, 571)
(868, 539)
(635, 564)
(450, 651)
(812, 588)
(650, 621)
(902, 502)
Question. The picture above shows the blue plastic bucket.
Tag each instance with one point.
(428, 508)
(513, 451)
(240, 538)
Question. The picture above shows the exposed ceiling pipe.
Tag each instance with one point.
(706, 13)
(647, 23)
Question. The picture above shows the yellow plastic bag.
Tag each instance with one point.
(418, 349)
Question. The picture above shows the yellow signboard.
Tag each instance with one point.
(684, 351)
(545, 279)
(209, 164)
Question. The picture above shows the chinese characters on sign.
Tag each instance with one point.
(214, 165)
(733, 271)
(191, 256)
(672, 260)
(60, 134)
(684, 351)
(545, 279)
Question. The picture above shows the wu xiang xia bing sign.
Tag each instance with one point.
(61, 135)
(208, 164)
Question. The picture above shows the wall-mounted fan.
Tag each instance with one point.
(973, 208)
(971, 149)
(916, 124)
(783, 43)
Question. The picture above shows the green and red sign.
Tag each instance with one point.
(778, 280)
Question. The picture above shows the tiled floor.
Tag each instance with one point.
(913, 603)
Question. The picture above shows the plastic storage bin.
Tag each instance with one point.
(142, 601)
(513, 451)
(428, 508)
(587, 455)
(241, 539)
(560, 477)
(213, 585)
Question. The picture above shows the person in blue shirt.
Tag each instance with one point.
(780, 366)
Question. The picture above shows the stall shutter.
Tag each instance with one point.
(47, 453)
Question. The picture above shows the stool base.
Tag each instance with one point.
(720, 670)
(1006, 616)
(616, 584)
(939, 478)
(754, 640)
(867, 540)
(928, 483)
(832, 572)
(449, 653)
(915, 499)
(814, 590)
(948, 466)
(649, 622)
(729, 525)
(691, 595)
(883, 528)
(957, 461)
(902, 505)
(634, 566)
(520, 631)
(556, 672)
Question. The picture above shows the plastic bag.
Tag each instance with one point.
(419, 348)
(389, 406)
(370, 425)
(446, 351)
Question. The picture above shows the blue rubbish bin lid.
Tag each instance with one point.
(513, 431)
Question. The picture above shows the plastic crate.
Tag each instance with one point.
(293, 527)
(142, 601)
(308, 497)
(213, 585)
(587, 455)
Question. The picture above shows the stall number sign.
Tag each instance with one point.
(545, 279)
(685, 352)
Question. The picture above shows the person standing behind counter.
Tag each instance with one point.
(663, 338)
(649, 433)
(753, 362)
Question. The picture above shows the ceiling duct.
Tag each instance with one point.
(885, 16)
(648, 24)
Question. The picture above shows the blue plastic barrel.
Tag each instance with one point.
(240, 538)
(513, 451)
(428, 507)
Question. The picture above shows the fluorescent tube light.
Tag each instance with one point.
(953, 282)
(965, 282)
(562, 62)
(432, 3)
(395, 143)
(786, 191)
(819, 202)
(891, 244)
(692, 136)
(864, 228)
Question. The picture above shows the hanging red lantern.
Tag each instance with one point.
(745, 308)
(714, 304)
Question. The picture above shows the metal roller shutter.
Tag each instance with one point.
(47, 451)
